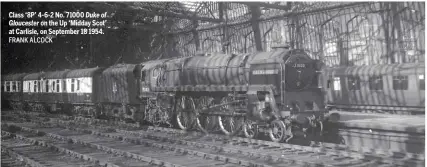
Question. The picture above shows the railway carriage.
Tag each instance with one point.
(52, 92)
(378, 88)
(31, 89)
(81, 92)
(12, 90)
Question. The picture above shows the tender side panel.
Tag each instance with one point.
(118, 85)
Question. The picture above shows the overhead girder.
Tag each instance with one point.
(268, 5)
(273, 17)
(159, 13)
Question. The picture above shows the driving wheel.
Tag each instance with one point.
(185, 115)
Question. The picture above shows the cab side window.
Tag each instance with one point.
(143, 76)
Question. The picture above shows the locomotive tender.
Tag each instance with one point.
(279, 90)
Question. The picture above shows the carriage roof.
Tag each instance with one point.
(14, 77)
(88, 72)
(378, 69)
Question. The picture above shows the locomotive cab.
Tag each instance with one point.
(144, 82)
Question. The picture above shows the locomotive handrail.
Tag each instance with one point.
(212, 67)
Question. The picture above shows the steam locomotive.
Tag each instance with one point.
(278, 92)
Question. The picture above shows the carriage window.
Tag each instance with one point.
(353, 83)
(18, 86)
(29, 86)
(78, 84)
(53, 86)
(46, 85)
(337, 83)
(13, 86)
(376, 83)
(38, 86)
(35, 86)
(72, 85)
(57, 85)
(41, 89)
(400, 82)
(7, 86)
(422, 82)
(64, 86)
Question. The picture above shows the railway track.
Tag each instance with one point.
(8, 160)
(235, 151)
(19, 150)
(144, 152)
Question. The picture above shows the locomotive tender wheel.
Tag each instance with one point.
(228, 124)
(185, 113)
(250, 129)
(277, 131)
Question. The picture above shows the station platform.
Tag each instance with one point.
(398, 133)
(403, 123)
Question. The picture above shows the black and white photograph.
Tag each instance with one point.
(213, 83)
